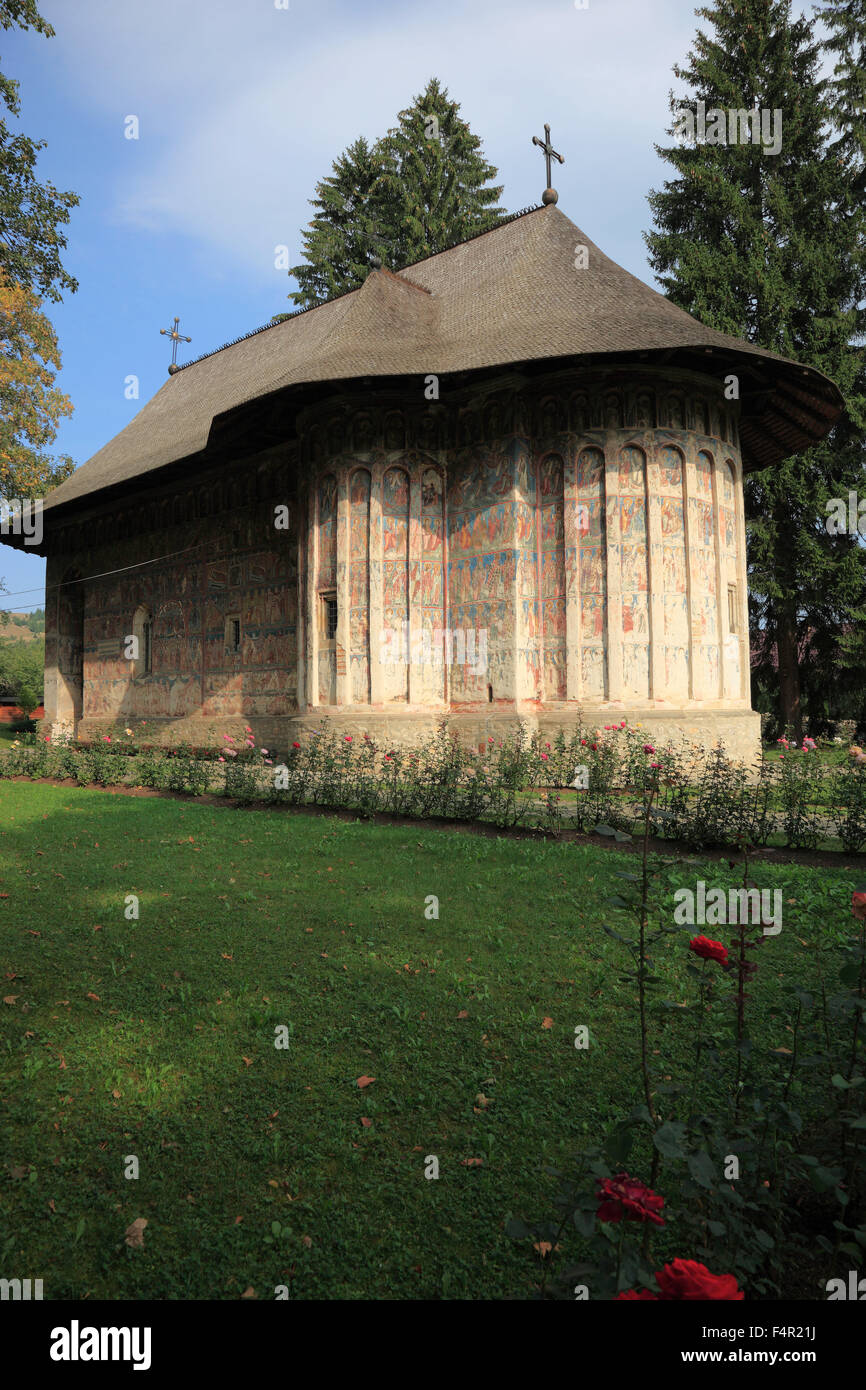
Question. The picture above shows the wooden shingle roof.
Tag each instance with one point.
(512, 295)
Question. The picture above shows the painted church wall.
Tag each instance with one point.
(189, 582)
(530, 550)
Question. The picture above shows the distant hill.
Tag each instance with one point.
(23, 627)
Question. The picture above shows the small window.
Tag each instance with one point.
(329, 616)
(142, 630)
(732, 608)
(233, 634)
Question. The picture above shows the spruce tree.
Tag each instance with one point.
(420, 188)
(436, 182)
(845, 44)
(344, 234)
(759, 245)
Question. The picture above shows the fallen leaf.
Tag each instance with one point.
(471, 1162)
(247, 1060)
(547, 1023)
(365, 1122)
(10, 998)
(249, 1293)
(135, 1232)
(365, 1081)
(464, 1013)
(94, 997)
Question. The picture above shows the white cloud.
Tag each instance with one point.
(244, 107)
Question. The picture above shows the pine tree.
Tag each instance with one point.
(420, 188)
(759, 245)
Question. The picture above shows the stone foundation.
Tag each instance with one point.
(738, 730)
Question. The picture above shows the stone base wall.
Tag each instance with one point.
(738, 730)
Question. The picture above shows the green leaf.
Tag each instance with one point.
(669, 1138)
(702, 1169)
(584, 1222)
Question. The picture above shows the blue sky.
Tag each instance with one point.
(242, 107)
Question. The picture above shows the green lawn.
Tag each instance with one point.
(155, 1038)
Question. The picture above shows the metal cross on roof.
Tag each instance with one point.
(175, 339)
(549, 153)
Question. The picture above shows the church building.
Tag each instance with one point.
(501, 485)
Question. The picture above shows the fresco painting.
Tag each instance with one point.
(501, 537)
(394, 673)
(552, 547)
(630, 512)
(327, 576)
(676, 671)
(359, 586)
(592, 577)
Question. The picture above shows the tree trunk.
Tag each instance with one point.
(790, 710)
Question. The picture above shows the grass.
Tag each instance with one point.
(154, 1038)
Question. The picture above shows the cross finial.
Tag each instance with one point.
(550, 194)
(175, 339)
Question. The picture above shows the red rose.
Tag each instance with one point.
(296, 745)
(622, 1197)
(633, 1295)
(691, 1281)
(858, 904)
(709, 950)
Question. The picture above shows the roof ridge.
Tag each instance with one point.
(310, 308)
(401, 279)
